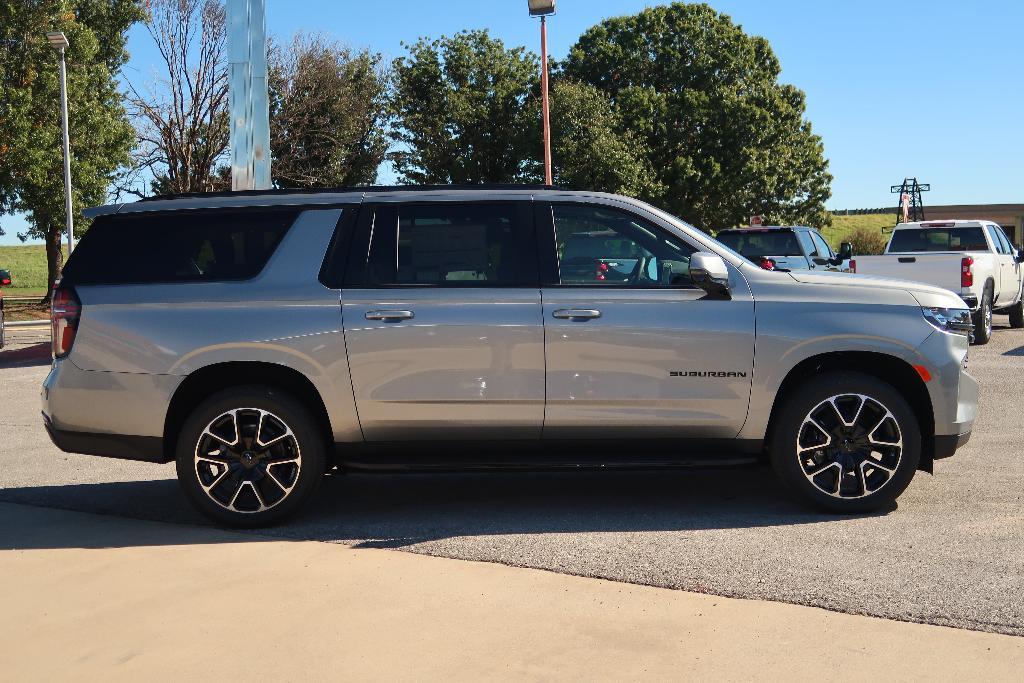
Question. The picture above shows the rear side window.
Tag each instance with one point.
(754, 245)
(452, 245)
(183, 246)
(939, 239)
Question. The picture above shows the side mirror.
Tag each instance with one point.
(845, 251)
(709, 272)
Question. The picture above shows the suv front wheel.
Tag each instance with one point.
(250, 456)
(846, 442)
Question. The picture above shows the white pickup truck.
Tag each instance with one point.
(971, 258)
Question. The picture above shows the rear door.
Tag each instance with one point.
(648, 356)
(442, 319)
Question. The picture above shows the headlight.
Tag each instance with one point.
(952, 320)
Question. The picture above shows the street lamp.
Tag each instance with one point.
(542, 8)
(59, 42)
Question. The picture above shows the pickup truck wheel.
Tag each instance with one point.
(1017, 315)
(983, 319)
(846, 442)
(250, 456)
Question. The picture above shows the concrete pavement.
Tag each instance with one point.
(89, 597)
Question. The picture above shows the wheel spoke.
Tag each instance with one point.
(273, 478)
(867, 447)
(220, 461)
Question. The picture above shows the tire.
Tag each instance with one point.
(255, 475)
(1017, 315)
(983, 318)
(872, 466)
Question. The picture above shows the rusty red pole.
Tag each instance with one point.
(544, 99)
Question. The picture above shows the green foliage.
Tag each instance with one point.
(31, 175)
(27, 264)
(725, 138)
(463, 111)
(865, 232)
(326, 114)
(588, 150)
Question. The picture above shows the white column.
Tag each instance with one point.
(249, 102)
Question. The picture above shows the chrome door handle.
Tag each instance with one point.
(576, 313)
(390, 315)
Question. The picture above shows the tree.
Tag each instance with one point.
(31, 160)
(181, 120)
(327, 111)
(726, 139)
(463, 111)
(590, 151)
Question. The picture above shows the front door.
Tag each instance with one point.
(633, 348)
(442, 320)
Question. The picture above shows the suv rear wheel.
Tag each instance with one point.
(846, 442)
(250, 456)
(983, 318)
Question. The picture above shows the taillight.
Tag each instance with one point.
(65, 308)
(5, 281)
(966, 273)
(767, 263)
(853, 265)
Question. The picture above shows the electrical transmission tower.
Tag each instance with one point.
(910, 208)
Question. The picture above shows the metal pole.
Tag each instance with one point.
(67, 154)
(544, 99)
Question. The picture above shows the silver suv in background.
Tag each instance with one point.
(259, 338)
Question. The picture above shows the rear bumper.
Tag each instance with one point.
(113, 414)
(947, 444)
(971, 301)
(144, 448)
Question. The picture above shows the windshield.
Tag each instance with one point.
(757, 244)
(938, 239)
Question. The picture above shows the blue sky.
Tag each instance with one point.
(931, 89)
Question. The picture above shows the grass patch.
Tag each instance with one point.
(27, 264)
(844, 227)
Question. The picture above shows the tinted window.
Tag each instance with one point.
(995, 239)
(939, 239)
(452, 245)
(184, 246)
(601, 246)
(754, 245)
(822, 246)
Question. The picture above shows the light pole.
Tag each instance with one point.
(542, 8)
(59, 42)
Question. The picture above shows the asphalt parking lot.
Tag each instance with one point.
(951, 552)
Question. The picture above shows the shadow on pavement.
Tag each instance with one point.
(399, 510)
(28, 356)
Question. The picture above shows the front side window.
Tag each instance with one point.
(445, 244)
(1004, 243)
(823, 249)
(601, 246)
(807, 243)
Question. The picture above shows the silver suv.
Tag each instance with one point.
(258, 339)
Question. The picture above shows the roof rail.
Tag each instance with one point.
(352, 188)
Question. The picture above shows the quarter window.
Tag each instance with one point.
(180, 246)
(600, 246)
